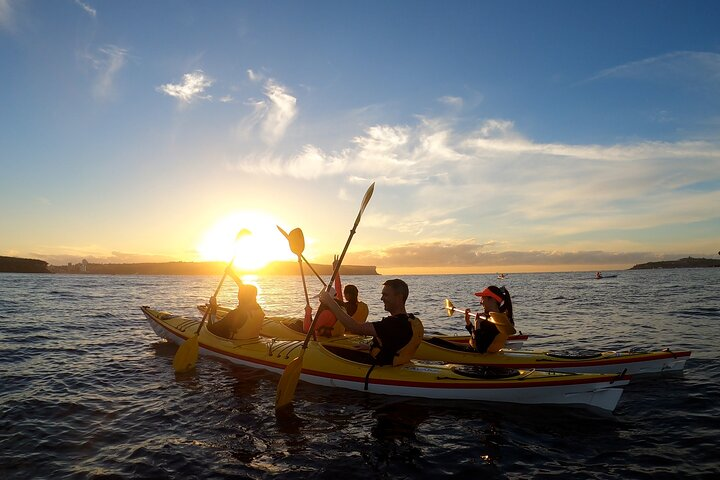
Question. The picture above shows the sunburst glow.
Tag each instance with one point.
(252, 251)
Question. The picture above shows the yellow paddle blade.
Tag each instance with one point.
(449, 307)
(186, 355)
(288, 382)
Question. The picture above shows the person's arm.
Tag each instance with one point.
(350, 325)
(468, 325)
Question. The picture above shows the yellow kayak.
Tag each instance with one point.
(454, 349)
(336, 363)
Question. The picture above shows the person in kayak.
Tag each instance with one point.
(598, 275)
(327, 324)
(356, 309)
(245, 321)
(489, 332)
(395, 338)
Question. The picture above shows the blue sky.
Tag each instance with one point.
(502, 136)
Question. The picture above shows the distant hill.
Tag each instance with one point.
(22, 265)
(688, 262)
(202, 268)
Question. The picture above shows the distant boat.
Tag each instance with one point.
(600, 277)
(502, 276)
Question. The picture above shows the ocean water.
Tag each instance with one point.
(88, 391)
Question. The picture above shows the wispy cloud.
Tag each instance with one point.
(270, 117)
(107, 61)
(448, 177)
(88, 9)
(7, 16)
(255, 76)
(281, 111)
(469, 254)
(680, 66)
(456, 102)
(192, 87)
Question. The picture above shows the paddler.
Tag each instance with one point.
(489, 333)
(245, 321)
(355, 308)
(395, 338)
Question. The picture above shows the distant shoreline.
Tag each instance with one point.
(688, 262)
(25, 265)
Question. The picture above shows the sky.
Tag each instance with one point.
(501, 136)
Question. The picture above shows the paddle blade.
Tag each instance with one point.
(449, 307)
(296, 239)
(242, 233)
(288, 382)
(366, 199)
(187, 355)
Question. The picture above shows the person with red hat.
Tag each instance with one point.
(490, 331)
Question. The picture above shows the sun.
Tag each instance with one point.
(252, 251)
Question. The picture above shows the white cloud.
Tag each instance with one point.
(281, 111)
(310, 163)
(474, 254)
(107, 61)
(449, 182)
(682, 67)
(7, 16)
(88, 9)
(455, 102)
(271, 116)
(193, 87)
(255, 76)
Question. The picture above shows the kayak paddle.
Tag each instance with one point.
(450, 308)
(291, 375)
(187, 354)
(297, 245)
(301, 255)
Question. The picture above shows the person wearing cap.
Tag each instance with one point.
(490, 331)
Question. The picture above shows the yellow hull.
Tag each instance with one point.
(450, 349)
(338, 364)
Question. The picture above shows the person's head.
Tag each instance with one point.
(351, 293)
(394, 294)
(247, 294)
(496, 299)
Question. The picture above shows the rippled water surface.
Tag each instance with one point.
(88, 391)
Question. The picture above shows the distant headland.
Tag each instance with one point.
(25, 265)
(22, 265)
(688, 262)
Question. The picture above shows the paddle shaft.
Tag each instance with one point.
(462, 310)
(217, 290)
(366, 199)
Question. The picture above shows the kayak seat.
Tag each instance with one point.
(575, 354)
(458, 347)
(357, 356)
(477, 371)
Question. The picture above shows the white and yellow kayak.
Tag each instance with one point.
(453, 349)
(339, 364)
